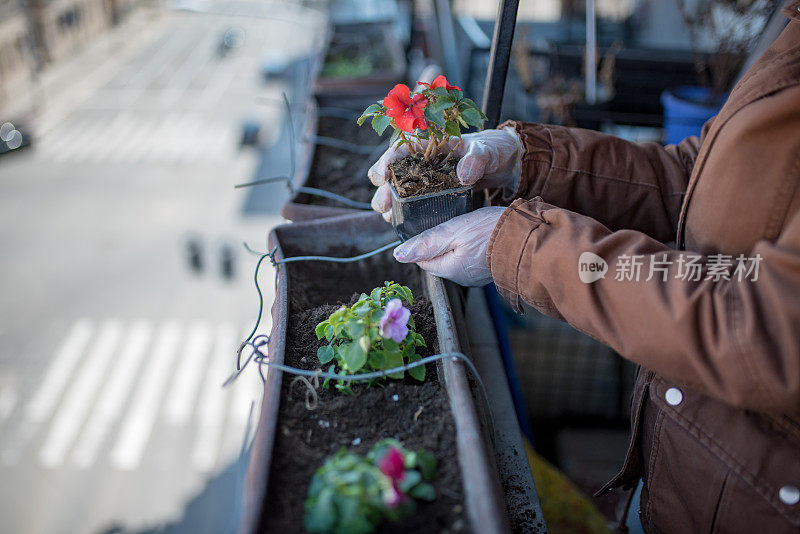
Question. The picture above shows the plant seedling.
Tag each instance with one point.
(429, 122)
(353, 494)
(375, 333)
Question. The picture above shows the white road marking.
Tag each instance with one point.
(211, 405)
(188, 374)
(73, 410)
(115, 392)
(138, 424)
(58, 374)
(108, 144)
(8, 399)
(80, 138)
(245, 394)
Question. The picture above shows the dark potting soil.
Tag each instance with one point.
(341, 171)
(413, 176)
(419, 418)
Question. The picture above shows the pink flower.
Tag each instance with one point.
(393, 324)
(392, 465)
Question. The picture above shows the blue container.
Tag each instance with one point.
(686, 109)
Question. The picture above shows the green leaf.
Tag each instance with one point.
(325, 354)
(472, 116)
(467, 103)
(331, 370)
(355, 328)
(440, 91)
(393, 360)
(417, 373)
(321, 514)
(419, 340)
(407, 295)
(455, 94)
(426, 462)
(354, 356)
(435, 115)
(423, 491)
(380, 123)
(374, 108)
(320, 329)
(451, 127)
(361, 119)
(376, 295)
(377, 359)
(410, 479)
(391, 345)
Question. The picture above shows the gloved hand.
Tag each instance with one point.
(456, 249)
(490, 158)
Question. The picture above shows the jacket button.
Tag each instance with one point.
(673, 396)
(789, 495)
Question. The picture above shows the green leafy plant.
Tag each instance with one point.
(352, 494)
(374, 334)
(426, 120)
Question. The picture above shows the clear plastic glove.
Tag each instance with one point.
(489, 159)
(456, 249)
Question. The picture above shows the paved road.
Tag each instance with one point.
(112, 349)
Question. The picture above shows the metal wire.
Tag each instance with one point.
(263, 359)
(328, 141)
(271, 256)
(333, 196)
(340, 144)
(334, 259)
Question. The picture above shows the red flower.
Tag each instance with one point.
(440, 81)
(392, 464)
(405, 109)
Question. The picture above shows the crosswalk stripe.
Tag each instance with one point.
(138, 424)
(245, 396)
(211, 405)
(188, 374)
(58, 374)
(8, 399)
(110, 143)
(114, 394)
(72, 411)
(79, 140)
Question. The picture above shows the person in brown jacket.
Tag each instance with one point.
(714, 320)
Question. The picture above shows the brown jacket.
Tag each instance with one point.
(716, 413)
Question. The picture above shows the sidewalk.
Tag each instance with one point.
(62, 86)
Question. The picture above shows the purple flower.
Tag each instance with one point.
(394, 321)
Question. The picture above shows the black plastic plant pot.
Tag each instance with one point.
(414, 215)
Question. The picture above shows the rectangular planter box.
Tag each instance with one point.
(331, 90)
(295, 209)
(482, 493)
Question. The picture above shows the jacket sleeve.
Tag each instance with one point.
(737, 339)
(637, 186)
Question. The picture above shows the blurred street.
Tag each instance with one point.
(125, 286)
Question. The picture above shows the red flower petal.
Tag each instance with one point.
(398, 97)
(441, 81)
(392, 464)
(405, 122)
